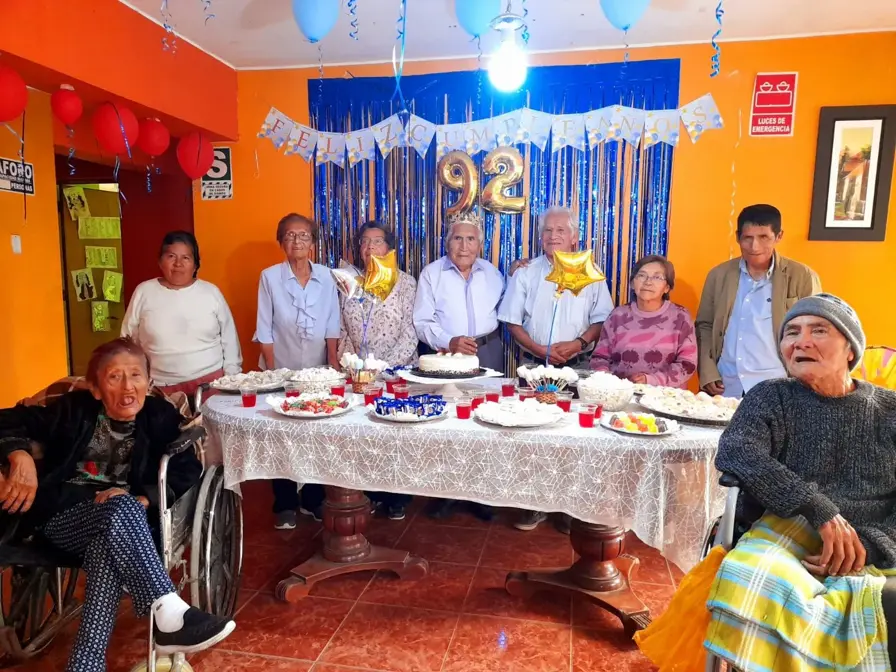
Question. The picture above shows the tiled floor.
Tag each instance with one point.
(458, 619)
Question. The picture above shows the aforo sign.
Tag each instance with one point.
(774, 102)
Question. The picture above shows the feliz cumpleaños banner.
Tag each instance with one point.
(580, 131)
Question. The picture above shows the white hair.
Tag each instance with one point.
(468, 217)
(558, 211)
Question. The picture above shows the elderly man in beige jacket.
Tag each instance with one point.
(743, 304)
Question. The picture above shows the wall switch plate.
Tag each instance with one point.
(16, 244)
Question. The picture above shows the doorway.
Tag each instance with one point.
(90, 229)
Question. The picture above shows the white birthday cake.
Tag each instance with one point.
(447, 363)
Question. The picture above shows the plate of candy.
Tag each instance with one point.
(419, 408)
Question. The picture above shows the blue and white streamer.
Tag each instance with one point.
(717, 57)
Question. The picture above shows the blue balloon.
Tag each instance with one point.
(475, 16)
(316, 18)
(624, 14)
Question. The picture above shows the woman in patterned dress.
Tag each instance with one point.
(650, 340)
(390, 329)
(94, 494)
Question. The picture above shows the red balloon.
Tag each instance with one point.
(154, 138)
(195, 155)
(67, 106)
(108, 121)
(13, 94)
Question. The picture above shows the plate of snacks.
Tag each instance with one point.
(318, 379)
(309, 405)
(419, 408)
(685, 406)
(262, 381)
(518, 413)
(640, 424)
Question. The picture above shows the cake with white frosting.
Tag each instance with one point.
(449, 363)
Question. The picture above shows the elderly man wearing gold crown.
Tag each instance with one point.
(528, 311)
(456, 310)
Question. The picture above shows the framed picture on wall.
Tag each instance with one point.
(853, 173)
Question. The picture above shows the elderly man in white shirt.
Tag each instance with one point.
(528, 306)
(456, 311)
(458, 296)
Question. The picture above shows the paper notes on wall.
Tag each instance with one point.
(98, 228)
(112, 283)
(85, 290)
(99, 315)
(76, 202)
(101, 257)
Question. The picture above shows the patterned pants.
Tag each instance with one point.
(118, 550)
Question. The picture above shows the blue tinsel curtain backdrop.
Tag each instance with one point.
(619, 194)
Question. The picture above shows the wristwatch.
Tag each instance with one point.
(583, 342)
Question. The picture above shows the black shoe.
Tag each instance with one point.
(482, 512)
(562, 522)
(440, 509)
(317, 513)
(530, 520)
(199, 632)
(396, 512)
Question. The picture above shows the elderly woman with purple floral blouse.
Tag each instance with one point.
(390, 330)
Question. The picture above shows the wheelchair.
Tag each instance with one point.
(201, 546)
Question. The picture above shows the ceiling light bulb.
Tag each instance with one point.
(507, 67)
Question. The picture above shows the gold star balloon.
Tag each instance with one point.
(381, 275)
(574, 271)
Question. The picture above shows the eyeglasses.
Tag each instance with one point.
(291, 237)
(372, 242)
(643, 277)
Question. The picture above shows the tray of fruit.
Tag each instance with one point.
(309, 405)
(641, 424)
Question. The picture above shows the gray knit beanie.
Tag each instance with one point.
(837, 312)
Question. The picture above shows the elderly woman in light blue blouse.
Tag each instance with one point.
(297, 327)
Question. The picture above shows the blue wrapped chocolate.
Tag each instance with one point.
(413, 409)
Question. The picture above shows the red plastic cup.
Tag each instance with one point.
(391, 382)
(564, 401)
(464, 409)
(527, 393)
(292, 389)
(492, 396)
(508, 389)
(249, 397)
(598, 411)
(338, 390)
(400, 391)
(586, 416)
(372, 393)
(477, 400)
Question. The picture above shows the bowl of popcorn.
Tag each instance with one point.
(605, 389)
(547, 381)
(317, 380)
(362, 370)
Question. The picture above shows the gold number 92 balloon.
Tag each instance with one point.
(457, 172)
(506, 164)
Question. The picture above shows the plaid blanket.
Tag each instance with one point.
(769, 614)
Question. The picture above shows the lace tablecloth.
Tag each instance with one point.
(664, 489)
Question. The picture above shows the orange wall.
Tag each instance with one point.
(32, 322)
(107, 50)
(237, 236)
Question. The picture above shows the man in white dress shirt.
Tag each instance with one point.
(458, 296)
(528, 307)
(456, 311)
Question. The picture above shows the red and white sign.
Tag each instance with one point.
(774, 104)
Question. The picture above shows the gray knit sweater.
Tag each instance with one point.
(797, 452)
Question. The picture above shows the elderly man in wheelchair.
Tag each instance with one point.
(94, 495)
(810, 583)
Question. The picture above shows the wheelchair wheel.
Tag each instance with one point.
(216, 553)
(36, 604)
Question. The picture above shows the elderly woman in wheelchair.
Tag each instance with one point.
(90, 492)
(811, 585)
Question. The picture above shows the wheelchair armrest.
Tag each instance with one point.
(187, 438)
(197, 397)
(729, 481)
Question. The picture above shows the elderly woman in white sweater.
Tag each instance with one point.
(183, 323)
